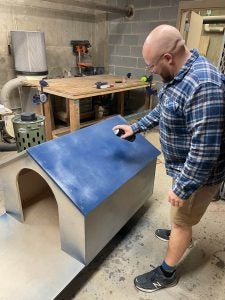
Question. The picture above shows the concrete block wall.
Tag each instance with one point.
(59, 26)
(127, 35)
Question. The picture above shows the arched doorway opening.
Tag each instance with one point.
(39, 205)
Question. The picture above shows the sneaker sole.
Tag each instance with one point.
(160, 238)
(156, 289)
(164, 240)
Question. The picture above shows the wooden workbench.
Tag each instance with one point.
(77, 88)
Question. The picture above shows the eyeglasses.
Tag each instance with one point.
(149, 68)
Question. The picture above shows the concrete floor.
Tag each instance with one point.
(135, 249)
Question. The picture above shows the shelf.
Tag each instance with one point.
(64, 130)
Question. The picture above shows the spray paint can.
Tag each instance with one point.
(119, 132)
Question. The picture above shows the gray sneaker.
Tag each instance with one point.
(164, 235)
(154, 280)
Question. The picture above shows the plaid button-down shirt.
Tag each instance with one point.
(191, 119)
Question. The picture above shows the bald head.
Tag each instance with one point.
(165, 52)
(162, 39)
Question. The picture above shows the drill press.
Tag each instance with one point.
(81, 50)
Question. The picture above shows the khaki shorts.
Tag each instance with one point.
(195, 206)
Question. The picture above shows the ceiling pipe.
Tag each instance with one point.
(128, 11)
(213, 19)
(208, 28)
(44, 9)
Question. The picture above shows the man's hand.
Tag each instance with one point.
(127, 129)
(175, 200)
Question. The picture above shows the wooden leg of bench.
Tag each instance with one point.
(74, 109)
(121, 103)
(49, 119)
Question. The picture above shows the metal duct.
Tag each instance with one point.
(7, 88)
(213, 19)
(128, 10)
(29, 52)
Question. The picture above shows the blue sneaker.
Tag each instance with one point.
(154, 280)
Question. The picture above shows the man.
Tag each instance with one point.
(191, 119)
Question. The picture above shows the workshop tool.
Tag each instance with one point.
(29, 130)
(80, 50)
(102, 85)
(149, 89)
(40, 97)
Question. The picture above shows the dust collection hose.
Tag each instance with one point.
(5, 100)
(4, 147)
(8, 88)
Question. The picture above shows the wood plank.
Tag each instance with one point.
(182, 25)
(195, 30)
(83, 87)
(68, 110)
(60, 131)
(49, 122)
(204, 44)
(74, 108)
(121, 103)
(147, 101)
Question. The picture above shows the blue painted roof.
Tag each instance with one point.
(90, 164)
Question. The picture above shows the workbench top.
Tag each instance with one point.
(83, 87)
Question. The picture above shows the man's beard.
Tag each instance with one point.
(166, 76)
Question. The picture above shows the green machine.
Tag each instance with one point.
(29, 130)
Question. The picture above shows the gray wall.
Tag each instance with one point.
(126, 36)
